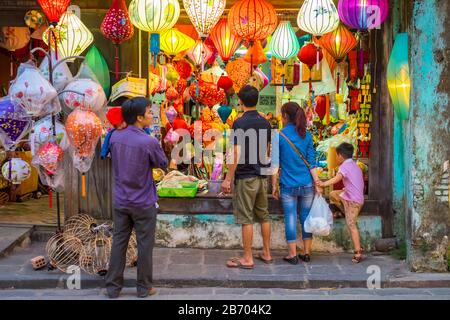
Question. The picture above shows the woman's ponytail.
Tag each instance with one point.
(296, 115)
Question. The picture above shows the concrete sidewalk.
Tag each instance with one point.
(206, 268)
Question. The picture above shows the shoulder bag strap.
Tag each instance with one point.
(296, 150)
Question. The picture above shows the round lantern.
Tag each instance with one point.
(363, 15)
(16, 170)
(208, 93)
(54, 9)
(14, 122)
(339, 42)
(154, 16)
(234, 70)
(204, 14)
(117, 27)
(225, 83)
(71, 35)
(224, 40)
(49, 156)
(181, 86)
(172, 94)
(252, 19)
(93, 99)
(84, 129)
(199, 53)
(310, 55)
(318, 17)
(284, 44)
(174, 42)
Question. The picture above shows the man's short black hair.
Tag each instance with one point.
(133, 108)
(249, 96)
(345, 150)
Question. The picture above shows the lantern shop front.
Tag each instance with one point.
(191, 63)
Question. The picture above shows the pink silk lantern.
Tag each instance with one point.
(117, 27)
(50, 155)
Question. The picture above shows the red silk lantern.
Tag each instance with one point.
(183, 68)
(224, 40)
(172, 94)
(208, 42)
(252, 19)
(117, 27)
(338, 43)
(310, 54)
(208, 93)
(181, 86)
(54, 9)
(225, 83)
(321, 106)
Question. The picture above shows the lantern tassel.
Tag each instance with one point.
(317, 59)
(282, 83)
(10, 170)
(11, 66)
(338, 80)
(50, 198)
(83, 185)
(117, 62)
(154, 46)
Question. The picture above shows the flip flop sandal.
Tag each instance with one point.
(261, 258)
(238, 264)
(293, 260)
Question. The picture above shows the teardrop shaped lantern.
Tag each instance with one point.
(339, 42)
(154, 16)
(318, 17)
(54, 9)
(284, 44)
(72, 36)
(199, 53)
(117, 27)
(363, 15)
(204, 14)
(174, 42)
(224, 40)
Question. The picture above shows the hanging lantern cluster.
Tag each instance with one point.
(225, 41)
(174, 42)
(72, 37)
(284, 44)
(318, 17)
(363, 15)
(204, 14)
(154, 16)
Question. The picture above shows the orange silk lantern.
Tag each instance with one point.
(183, 68)
(338, 43)
(224, 40)
(83, 128)
(188, 29)
(252, 19)
(255, 54)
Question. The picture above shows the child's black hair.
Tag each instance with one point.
(345, 150)
(133, 108)
(249, 96)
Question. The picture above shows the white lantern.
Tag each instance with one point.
(284, 44)
(318, 17)
(61, 75)
(16, 170)
(43, 132)
(94, 97)
(204, 14)
(32, 91)
(72, 36)
(199, 53)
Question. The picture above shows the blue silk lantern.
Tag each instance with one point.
(398, 77)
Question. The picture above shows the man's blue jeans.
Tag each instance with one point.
(296, 202)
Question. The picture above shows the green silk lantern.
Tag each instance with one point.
(99, 66)
(398, 77)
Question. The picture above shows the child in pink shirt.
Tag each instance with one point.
(350, 200)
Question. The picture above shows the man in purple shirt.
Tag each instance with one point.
(134, 154)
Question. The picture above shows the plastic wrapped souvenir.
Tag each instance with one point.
(50, 156)
(32, 90)
(14, 123)
(43, 132)
(61, 75)
(93, 99)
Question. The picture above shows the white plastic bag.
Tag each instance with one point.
(61, 75)
(320, 219)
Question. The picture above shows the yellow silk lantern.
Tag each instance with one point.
(72, 36)
(174, 42)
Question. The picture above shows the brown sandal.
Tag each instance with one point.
(358, 257)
